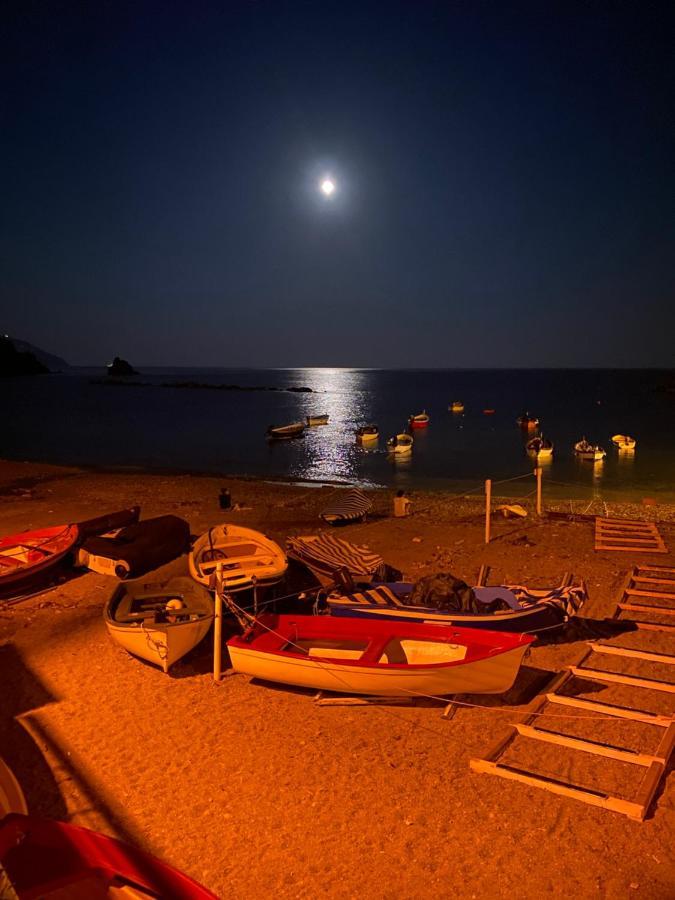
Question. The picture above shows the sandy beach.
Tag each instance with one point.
(257, 791)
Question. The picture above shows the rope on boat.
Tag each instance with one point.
(227, 598)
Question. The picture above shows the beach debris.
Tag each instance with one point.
(514, 510)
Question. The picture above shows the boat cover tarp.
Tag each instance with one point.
(326, 556)
(353, 505)
(485, 599)
(144, 546)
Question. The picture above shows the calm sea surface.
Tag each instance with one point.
(68, 419)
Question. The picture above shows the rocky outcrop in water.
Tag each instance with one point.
(120, 368)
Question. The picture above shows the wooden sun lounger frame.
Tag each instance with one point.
(641, 575)
(656, 764)
(628, 535)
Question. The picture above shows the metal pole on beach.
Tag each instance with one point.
(488, 497)
(538, 472)
(218, 624)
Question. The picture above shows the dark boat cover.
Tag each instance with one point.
(353, 505)
(144, 546)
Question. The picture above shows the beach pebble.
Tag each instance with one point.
(417, 540)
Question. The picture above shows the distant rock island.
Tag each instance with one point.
(120, 367)
(18, 362)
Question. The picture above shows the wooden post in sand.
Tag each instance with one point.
(488, 497)
(538, 471)
(218, 624)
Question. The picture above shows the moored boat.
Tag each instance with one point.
(421, 420)
(248, 558)
(401, 444)
(488, 412)
(43, 858)
(593, 452)
(390, 659)
(511, 608)
(456, 406)
(285, 432)
(159, 623)
(623, 441)
(317, 420)
(365, 433)
(30, 558)
(527, 421)
(540, 447)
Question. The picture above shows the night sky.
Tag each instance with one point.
(505, 183)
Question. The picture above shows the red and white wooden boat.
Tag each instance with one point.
(40, 858)
(421, 420)
(381, 658)
(28, 556)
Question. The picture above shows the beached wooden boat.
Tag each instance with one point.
(159, 623)
(285, 432)
(29, 558)
(317, 420)
(521, 609)
(540, 448)
(400, 445)
(421, 420)
(43, 858)
(367, 433)
(11, 795)
(248, 558)
(390, 659)
(527, 421)
(456, 406)
(584, 450)
(623, 441)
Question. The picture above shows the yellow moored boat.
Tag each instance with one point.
(400, 445)
(623, 441)
(456, 406)
(159, 623)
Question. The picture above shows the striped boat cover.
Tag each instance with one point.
(353, 505)
(325, 555)
(568, 599)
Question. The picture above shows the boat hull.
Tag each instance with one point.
(45, 858)
(161, 644)
(378, 658)
(12, 799)
(544, 618)
(248, 558)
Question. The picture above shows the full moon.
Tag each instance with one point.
(327, 187)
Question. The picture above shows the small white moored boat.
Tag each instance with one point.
(584, 450)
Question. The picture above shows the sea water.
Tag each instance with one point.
(142, 424)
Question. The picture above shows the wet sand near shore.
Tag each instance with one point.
(256, 791)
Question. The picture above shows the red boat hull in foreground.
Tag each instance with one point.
(42, 857)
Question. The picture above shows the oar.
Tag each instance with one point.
(103, 524)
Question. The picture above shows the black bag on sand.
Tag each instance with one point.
(443, 591)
